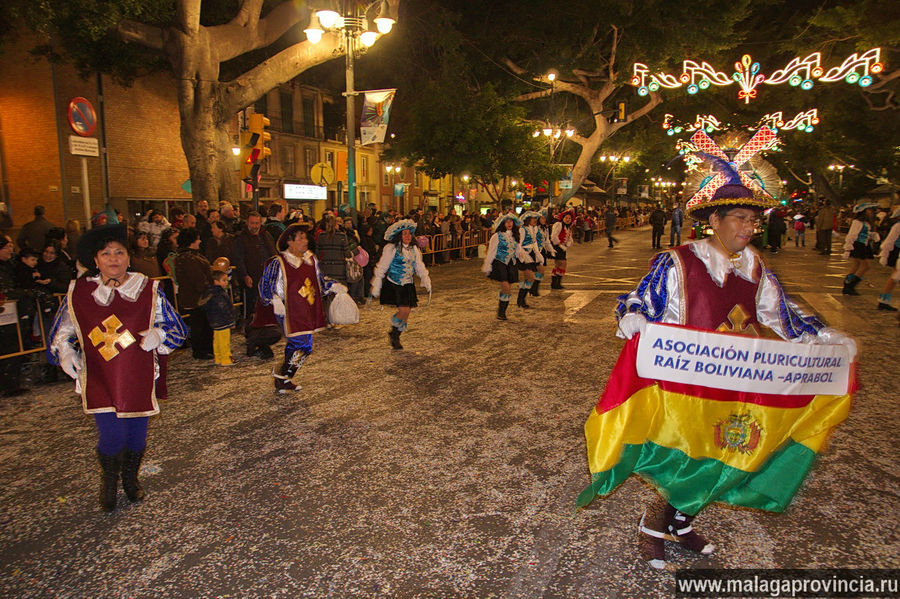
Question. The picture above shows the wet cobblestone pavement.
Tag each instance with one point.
(448, 469)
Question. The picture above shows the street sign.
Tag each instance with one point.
(82, 118)
(84, 146)
(304, 192)
(322, 174)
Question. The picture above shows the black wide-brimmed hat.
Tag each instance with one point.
(94, 240)
(288, 234)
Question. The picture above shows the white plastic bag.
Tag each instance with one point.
(343, 309)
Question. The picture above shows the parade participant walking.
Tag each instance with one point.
(503, 255)
(675, 226)
(393, 279)
(658, 222)
(858, 244)
(109, 330)
(824, 226)
(890, 249)
(530, 242)
(612, 216)
(730, 289)
(561, 239)
(293, 285)
(546, 249)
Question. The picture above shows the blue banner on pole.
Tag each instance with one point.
(375, 115)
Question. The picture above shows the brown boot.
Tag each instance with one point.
(651, 535)
(681, 531)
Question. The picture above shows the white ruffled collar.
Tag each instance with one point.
(719, 265)
(129, 290)
(295, 261)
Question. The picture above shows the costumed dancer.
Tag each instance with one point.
(503, 253)
(547, 251)
(858, 245)
(530, 241)
(890, 248)
(393, 280)
(731, 289)
(561, 239)
(293, 285)
(108, 334)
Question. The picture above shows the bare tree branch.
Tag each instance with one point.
(889, 104)
(145, 35)
(282, 67)
(187, 16)
(248, 15)
(232, 40)
(612, 53)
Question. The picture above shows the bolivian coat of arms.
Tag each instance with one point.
(738, 433)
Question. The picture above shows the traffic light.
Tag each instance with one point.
(621, 111)
(254, 144)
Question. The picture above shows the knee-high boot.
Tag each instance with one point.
(534, 287)
(850, 282)
(131, 465)
(681, 530)
(520, 301)
(501, 309)
(652, 531)
(288, 369)
(394, 335)
(110, 466)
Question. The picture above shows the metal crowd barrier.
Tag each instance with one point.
(12, 337)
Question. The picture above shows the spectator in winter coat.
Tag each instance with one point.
(194, 277)
(143, 258)
(658, 222)
(34, 232)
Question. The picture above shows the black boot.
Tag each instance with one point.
(501, 310)
(521, 300)
(131, 465)
(110, 465)
(534, 287)
(850, 283)
(556, 282)
(394, 335)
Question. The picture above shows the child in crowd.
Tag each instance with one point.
(220, 314)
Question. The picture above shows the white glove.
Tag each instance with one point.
(278, 306)
(338, 288)
(846, 255)
(540, 258)
(830, 336)
(632, 323)
(153, 338)
(70, 364)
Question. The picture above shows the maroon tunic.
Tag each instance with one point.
(118, 375)
(730, 308)
(303, 308)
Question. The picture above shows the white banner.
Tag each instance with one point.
(375, 115)
(741, 362)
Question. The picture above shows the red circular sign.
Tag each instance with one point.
(82, 117)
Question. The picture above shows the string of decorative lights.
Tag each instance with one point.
(803, 121)
(856, 69)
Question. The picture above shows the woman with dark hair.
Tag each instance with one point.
(294, 286)
(561, 239)
(393, 279)
(143, 258)
(165, 251)
(503, 255)
(332, 249)
(194, 276)
(108, 333)
(530, 241)
(858, 244)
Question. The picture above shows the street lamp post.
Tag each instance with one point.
(355, 32)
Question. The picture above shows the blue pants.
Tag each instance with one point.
(303, 342)
(115, 434)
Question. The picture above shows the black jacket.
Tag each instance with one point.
(218, 306)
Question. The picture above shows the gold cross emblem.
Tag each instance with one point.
(308, 292)
(737, 319)
(110, 336)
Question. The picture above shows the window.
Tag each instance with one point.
(418, 179)
(309, 117)
(287, 111)
(262, 105)
(311, 159)
(286, 152)
(329, 158)
(364, 169)
(385, 179)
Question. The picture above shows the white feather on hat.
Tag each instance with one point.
(530, 214)
(504, 217)
(398, 227)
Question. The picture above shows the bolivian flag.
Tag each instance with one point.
(698, 445)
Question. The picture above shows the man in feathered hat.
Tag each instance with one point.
(730, 289)
(293, 285)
